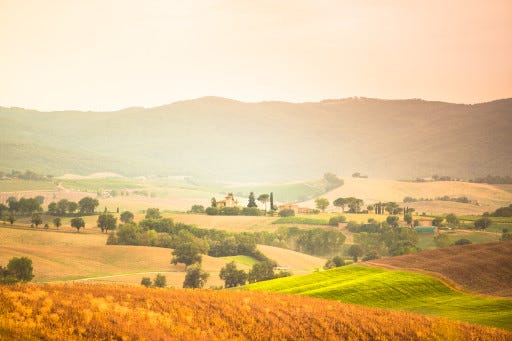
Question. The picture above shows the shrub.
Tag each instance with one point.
(334, 262)
(462, 241)
(483, 223)
(197, 209)
(370, 256)
(287, 213)
(146, 281)
(334, 221)
(212, 211)
(160, 281)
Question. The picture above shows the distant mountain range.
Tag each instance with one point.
(222, 139)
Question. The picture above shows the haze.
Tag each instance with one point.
(97, 55)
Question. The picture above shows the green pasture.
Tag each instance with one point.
(301, 220)
(398, 290)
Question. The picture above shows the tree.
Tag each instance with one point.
(392, 220)
(483, 223)
(126, 217)
(272, 207)
(62, 206)
(195, 277)
(146, 281)
(340, 202)
(197, 209)
(214, 202)
(252, 200)
(437, 221)
(263, 198)
(321, 203)
(452, 219)
(408, 218)
(36, 219)
(160, 281)
(231, 276)
(442, 240)
(371, 256)
(261, 271)
(106, 221)
(72, 207)
(11, 219)
(21, 269)
(355, 251)
(39, 199)
(52, 208)
(77, 222)
(189, 252)
(153, 213)
(57, 222)
(334, 262)
(354, 204)
(87, 205)
(286, 213)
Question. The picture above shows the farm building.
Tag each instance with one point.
(426, 229)
(229, 201)
(295, 208)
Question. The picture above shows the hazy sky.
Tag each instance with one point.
(104, 55)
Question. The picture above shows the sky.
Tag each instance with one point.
(108, 55)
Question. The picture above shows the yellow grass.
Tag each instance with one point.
(61, 256)
(227, 223)
(107, 312)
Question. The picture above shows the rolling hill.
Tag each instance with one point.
(398, 290)
(226, 140)
(107, 312)
(483, 268)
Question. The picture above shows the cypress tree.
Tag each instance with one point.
(271, 201)
(252, 200)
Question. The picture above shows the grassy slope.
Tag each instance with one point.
(73, 312)
(59, 256)
(482, 268)
(25, 185)
(395, 290)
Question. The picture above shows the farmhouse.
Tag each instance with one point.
(229, 201)
(295, 208)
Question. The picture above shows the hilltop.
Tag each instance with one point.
(93, 312)
(482, 268)
(221, 139)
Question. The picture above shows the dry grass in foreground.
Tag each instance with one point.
(482, 268)
(80, 311)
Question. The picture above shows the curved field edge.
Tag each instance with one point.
(481, 268)
(397, 290)
(93, 312)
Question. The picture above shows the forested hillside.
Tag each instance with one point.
(223, 139)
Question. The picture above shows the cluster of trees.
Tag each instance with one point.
(86, 206)
(503, 212)
(27, 175)
(354, 205)
(383, 239)
(319, 241)
(17, 270)
(332, 181)
(494, 179)
(160, 281)
(24, 206)
(442, 240)
(261, 271)
(464, 200)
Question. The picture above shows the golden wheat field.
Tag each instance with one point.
(108, 312)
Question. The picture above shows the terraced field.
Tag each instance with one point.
(397, 290)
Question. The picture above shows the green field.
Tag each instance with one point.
(293, 192)
(301, 220)
(13, 185)
(397, 290)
